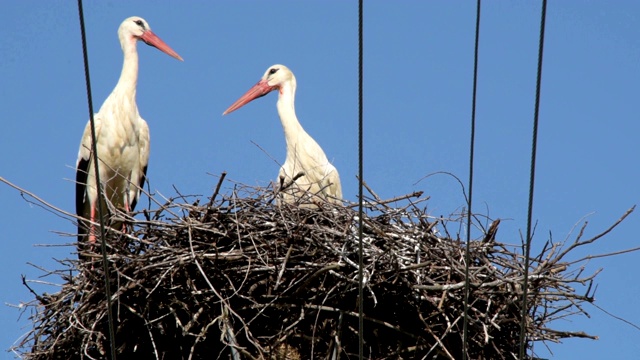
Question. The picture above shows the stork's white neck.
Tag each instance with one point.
(293, 131)
(129, 76)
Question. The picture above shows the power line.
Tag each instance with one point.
(94, 150)
(465, 330)
(527, 244)
(360, 185)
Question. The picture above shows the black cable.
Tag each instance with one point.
(527, 244)
(467, 260)
(94, 151)
(360, 189)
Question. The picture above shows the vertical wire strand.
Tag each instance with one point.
(527, 244)
(107, 283)
(360, 185)
(465, 328)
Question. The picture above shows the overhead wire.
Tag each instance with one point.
(465, 328)
(527, 243)
(360, 185)
(94, 151)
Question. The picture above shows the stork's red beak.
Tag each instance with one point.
(262, 88)
(152, 39)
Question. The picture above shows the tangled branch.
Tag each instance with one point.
(241, 277)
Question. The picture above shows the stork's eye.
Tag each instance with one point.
(139, 23)
(273, 71)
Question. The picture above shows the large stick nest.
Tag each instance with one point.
(240, 277)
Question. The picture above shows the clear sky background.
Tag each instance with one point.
(417, 106)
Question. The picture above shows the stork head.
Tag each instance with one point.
(136, 28)
(276, 77)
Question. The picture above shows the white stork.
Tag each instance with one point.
(303, 152)
(122, 137)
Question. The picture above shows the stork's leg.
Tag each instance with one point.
(92, 227)
(127, 209)
(92, 230)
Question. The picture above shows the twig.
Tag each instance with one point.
(215, 193)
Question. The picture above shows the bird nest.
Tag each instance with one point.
(237, 276)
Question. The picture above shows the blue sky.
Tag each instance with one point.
(417, 106)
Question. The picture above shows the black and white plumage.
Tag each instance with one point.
(304, 154)
(122, 138)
